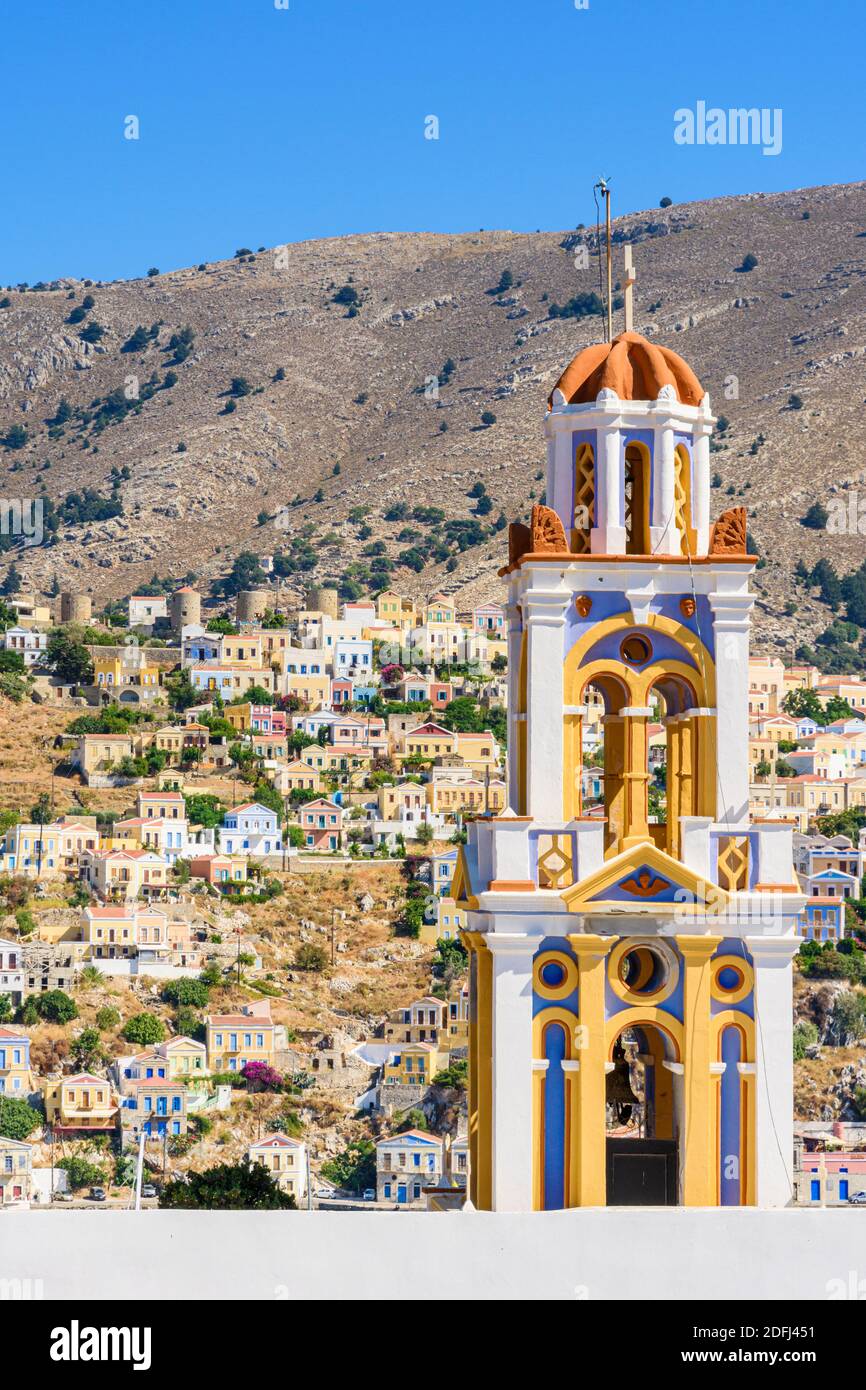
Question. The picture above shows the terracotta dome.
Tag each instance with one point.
(633, 367)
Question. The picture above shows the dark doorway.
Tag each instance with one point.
(641, 1173)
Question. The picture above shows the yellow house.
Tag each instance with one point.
(458, 1019)
(239, 716)
(392, 608)
(312, 691)
(31, 850)
(76, 835)
(440, 610)
(124, 873)
(450, 920)
(406, 796)
(186, 1058)
(110, 932)
(818, 795)
(95, 753)
(161, 805)
(15, 1076)
(235, 1039)
(470, 797)
(428, 741)
(241, 650)
(762, 750)
(478, 751)
(414, 1064)
(421, 1022)
(285, 1160)
(83, 1102)
(114, 672)
(296, 776)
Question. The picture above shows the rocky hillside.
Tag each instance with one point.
(336, 407)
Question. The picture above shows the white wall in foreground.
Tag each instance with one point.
(590, 1254)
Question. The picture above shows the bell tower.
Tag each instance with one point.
(631, 929)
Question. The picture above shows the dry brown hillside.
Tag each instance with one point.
(352, 393)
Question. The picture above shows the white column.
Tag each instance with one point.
(701, 488)
(731, 620)
(608, 534)
(774, 1068)
(663, 532)
(544, 613)
(515, 637)
(512, 1070)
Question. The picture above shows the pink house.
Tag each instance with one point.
(266, 720)
(342, 691)
(322, 825)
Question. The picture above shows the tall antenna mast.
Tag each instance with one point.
(603, 186)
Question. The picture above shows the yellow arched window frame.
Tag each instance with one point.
(683, 500)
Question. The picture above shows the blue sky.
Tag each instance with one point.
(261, 125)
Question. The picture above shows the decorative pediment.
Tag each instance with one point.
(548, 532)
(728, 536)
(644, 879)
(461, 884)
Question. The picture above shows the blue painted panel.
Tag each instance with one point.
(730, 1155)
(555, 1047)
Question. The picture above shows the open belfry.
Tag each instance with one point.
(631, 946)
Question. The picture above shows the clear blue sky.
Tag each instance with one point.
(260, 126)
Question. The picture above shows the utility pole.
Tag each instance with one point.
(138, 1170)
(333, 931)
(603, 186)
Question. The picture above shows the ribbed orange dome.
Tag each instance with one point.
(633, 367)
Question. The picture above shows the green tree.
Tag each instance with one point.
(56, 1007)
(805, 1035)
(205, 809)
(107, 1018)
(238, 1187)
(144, 1029)
(17, 1118)
(355, 1168)
(194, 993)
(81, 1172)
(68, 659)
(308, 956)
(87, 1049)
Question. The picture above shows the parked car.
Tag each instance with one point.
(97, 1194)
(369, 1194)
(858, 1199)
(62, 1197)
(148, 1190)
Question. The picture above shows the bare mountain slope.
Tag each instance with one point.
(353, 393)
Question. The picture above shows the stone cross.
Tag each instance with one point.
(628, 282)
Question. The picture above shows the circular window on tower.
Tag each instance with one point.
(643, 972)
(555, 975)
(635, 650)
(732, 979)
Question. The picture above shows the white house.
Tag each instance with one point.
(27, 642)
(353, 658)
(144, 609)
(406, 1164)
(11, 971)
(251, 829)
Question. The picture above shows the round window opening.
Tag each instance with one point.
(553, 974)
(644, 971)
(636, 650)
(730, 979)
